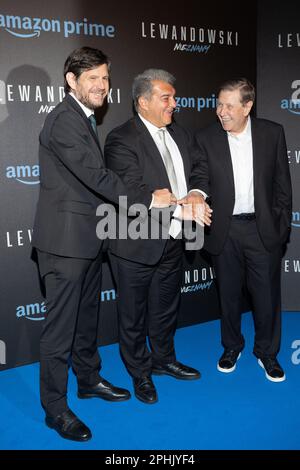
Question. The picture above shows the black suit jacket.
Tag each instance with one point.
(131, 152)
(74, 181)
(272, 184)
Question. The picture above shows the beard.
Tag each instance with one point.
(88, 102)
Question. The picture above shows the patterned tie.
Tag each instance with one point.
(166, 155)
(94, 124)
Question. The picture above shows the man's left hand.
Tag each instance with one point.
(199, 209)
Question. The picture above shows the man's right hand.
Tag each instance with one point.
(163, 198)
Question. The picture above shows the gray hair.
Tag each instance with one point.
(142, 84)
(247, 90)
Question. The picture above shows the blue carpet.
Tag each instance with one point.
(241, 410)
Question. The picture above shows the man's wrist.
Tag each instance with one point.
(202, 193)
(152, 202)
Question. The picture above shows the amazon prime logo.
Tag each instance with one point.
(296, 219)
(32, 312)
(296, 353)
(25, 27)
(25, 174)
(293, 104)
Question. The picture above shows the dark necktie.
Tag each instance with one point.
(94, 125)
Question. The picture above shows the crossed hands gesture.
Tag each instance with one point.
(193, 205)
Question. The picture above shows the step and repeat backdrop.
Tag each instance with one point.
(278, 99)
(201, 43)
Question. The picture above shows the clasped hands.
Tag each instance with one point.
(193, 205)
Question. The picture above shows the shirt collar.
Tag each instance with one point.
(245, 134)
(87, 111)
(151, 127)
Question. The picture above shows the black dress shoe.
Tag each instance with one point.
(69, 426)
(273, 369)
(144, 389)
(104, 390)
(177, 370)
(227, 362)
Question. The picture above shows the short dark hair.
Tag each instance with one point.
(142, 83)
(246, 88)
(82, 59)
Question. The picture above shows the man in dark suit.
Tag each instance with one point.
(149, 151)
(250, 190)
(74, 181)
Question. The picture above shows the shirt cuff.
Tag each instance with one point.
(199, 191)
(151, 202)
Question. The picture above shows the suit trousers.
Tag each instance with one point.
(244, 261)
(70, 330)
(148, 303)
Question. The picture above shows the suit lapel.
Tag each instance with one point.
(224, 150)
(154, 152)
(257, 146)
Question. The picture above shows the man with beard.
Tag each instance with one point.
(74, 181)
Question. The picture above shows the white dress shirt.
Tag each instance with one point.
(242, 162)
(174, 152)
(176, 224)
